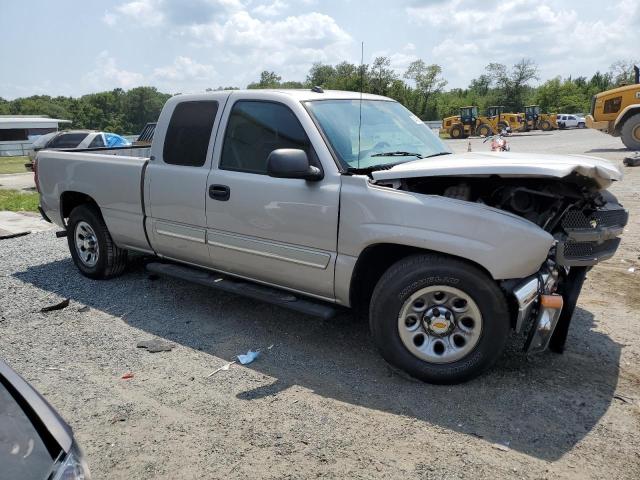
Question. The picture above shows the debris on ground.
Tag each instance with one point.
(249, 357)
(225, 367)
(623, 398)
(127, 376)
(156, 345)
(632, 161)
(57, 306)
(631, 269)
(55, 369)
(86, 308)
(501, 447)
(7, 235)
(118, 418)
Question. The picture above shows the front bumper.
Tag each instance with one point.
(603, 126)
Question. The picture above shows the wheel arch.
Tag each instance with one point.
(627, 113)
(72, 199)
(376, 259)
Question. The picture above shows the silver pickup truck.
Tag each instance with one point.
(315, 200)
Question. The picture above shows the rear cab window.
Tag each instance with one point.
(255, 129)
(67, 140)
(189, 133)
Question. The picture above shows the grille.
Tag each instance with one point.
(577, 219)
(589, 249)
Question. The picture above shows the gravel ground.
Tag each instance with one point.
(321, 402)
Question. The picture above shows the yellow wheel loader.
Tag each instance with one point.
(534, 120)
(617, 112)
(463, 125)
(496, 121)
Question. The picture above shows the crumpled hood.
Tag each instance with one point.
(505, 164)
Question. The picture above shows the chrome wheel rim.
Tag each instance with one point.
(440, 324)
(86, 244)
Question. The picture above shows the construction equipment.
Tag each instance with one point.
(463, 125)
(617, 112)
(495, 121)
(534, 120)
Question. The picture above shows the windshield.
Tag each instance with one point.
(389, 134)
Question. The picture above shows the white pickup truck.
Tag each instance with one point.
(316, 200)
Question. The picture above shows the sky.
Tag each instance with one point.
(66, 47)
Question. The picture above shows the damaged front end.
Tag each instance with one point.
(584, 220)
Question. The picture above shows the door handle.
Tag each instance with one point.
(219, 192)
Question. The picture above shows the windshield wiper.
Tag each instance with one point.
(398, 154)
(437, 154)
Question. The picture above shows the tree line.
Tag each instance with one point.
(421, 88)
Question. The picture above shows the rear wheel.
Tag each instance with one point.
(456, 132)
(581, 125)
(630, 132)
(439, 319)
(545, 125)
(91, 245)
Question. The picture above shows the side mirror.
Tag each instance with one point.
(292, 163)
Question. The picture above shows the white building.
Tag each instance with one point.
(17, 132)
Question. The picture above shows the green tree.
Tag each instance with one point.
(428, 81)
(381, 76)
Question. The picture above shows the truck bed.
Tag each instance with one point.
(113, 178)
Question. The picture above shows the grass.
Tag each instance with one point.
(13, 164)
(16, 201)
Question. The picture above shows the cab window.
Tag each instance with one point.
(612, 105)
(254, 130)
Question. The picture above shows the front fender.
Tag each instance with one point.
(505, 245)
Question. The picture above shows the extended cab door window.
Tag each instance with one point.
(189, 132)
(254, 130)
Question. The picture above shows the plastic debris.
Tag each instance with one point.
(57, 306)
(156, 345)
(127, 376)
(223, 368)
(249, 357)
(86, 308)
(631, 269)
(501, 447)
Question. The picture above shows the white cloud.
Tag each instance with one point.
(153, 13)
(273, 9)
(185, 69)
(107, 75)
(559, 38)
(144, 12)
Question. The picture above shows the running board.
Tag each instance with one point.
(245, 288)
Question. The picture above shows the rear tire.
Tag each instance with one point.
(91, 246)
(436, 356)
(630, 132)
(456, 132)
(545, 125)
(581, 125)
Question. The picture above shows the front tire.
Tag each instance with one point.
(439, 319)
(91, 246)
(630, 132)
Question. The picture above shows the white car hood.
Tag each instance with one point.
(505, 164)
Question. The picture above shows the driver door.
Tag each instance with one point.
(275, 230)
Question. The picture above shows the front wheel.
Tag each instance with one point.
(630, 132)
(91, 246)
(440, 319)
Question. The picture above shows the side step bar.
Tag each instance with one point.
(244, 288)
